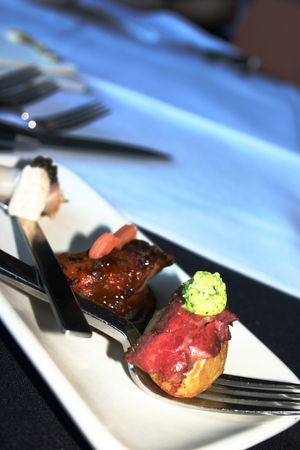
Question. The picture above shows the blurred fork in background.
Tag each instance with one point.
(21, 50)
(14, 72)
(15, 77)
(25, 93)
(26, 85)
(65, 120)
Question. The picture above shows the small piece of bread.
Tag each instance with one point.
(198, 379)
(31, 193)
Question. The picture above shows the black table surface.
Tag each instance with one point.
(31, 417)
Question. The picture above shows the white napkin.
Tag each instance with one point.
(232, 191)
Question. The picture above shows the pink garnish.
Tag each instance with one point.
(108, 241)
(126, 233)
(103, 245)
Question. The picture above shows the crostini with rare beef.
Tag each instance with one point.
(185, 350)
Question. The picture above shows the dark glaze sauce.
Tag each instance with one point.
(117, 281)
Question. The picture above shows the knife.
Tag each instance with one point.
(23, 277)
(15, 137)
(61, 297)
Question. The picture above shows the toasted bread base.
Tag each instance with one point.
(198, 379)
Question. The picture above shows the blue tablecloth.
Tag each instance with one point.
(231, 192)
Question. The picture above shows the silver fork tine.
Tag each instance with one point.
(27, 94)
(82, 113)
(74, 117)
(15, 77)
(252, 392)
(239, 402)
(232, 401)
(236, 381)
(253, 395)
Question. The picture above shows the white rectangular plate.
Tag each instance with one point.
(88, 376)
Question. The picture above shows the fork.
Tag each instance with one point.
(16, 77)
(228, 394)
(65, 120)
(72, 118)
(23, 94)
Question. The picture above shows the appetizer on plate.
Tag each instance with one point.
(115, 272)
(116, 269)
(184, 350)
